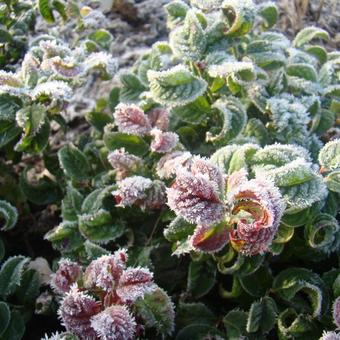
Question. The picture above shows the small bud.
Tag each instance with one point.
(105, 271)
(134, 283)
(163, 141)
(67, 274)
(169, 164)
(156, 196)
(336, 312)
(159, 118)
(132, 120)
(132, 190)
(123, 162)
(195, 198)
(76, 310)
(257, 208)
(114, 323)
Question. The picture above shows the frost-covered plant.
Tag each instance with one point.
(106, 302)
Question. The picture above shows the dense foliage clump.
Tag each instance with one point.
(215, 163)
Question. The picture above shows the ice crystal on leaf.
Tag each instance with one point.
(134, 283)
(256, 208)
(169, 164)
(163, 142)
(105, 271)
(76, 310)
(123, 162)
(132, 190)
(330, 336)
(195, 198)
(101, 61)
(55, 89)
(132, 120)
(67, 274)
(336, 312)
(114, 323)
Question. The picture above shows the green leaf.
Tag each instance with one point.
(46, 10)
(133, 144)
(242, 157)
(101, 37)
(189, 41)
(131, 88)
(333, 181)
(74, 163)
(255, 128)
(235, 322)
(65, 237)
(157, 311)
(240, 17)
(189, 313)
(262, 316)
(8, 132)
(11, 273)
(201, 278)
(98, 119)
(100, 227)
(269, 12)
(93, 251)
(329, 156)
(2, 249)
(304, 71)
(29, 287)
(306, 35)
(176, 12)
(5, 316)
(291, 324)
(71, 204)
(198, 331)
(234, 119)
(60, 8)
(114, 98)
(9, 214)
(288, 283)
(257, 283)
(9, 106)
(176, 86)
(178, 229)
(16, 327)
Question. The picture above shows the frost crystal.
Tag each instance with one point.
(169, 164)
(103, 61)
(131, 119)
(61, 67)
(209, 170)
(132, 190)
(123, 162)
(163, 141)
(257, 208)
(330, 336)
(76, 310)
(114, 323)
(159, 118)
(134, 283)
(9, 79)
(105, 271)
(67, 274)
(195, 198)
(336, 312)
(53, 89)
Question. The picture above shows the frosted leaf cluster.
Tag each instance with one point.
(140, 191)
(100, 305)
(163, 142)
(247, 214)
